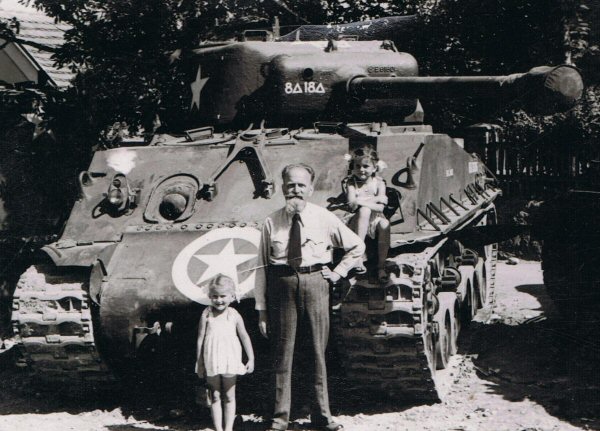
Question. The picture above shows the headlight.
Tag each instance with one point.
(119, 197)
(115, 197)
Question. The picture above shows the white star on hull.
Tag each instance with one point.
(197, 86)
(213, 263)
(225, 262)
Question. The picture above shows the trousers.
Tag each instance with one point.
(296, 301)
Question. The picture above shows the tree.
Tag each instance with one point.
(120, 49)
(131, 53)
(491, 37)
(128, 53)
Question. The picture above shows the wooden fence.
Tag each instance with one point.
(533, 171)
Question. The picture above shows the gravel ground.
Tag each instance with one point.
(519, 367)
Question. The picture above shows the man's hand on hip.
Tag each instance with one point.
(330, 275)
(262, 323)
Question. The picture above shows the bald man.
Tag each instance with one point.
(297, 244)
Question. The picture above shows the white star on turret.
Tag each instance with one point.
(225, 262)
(197, 86)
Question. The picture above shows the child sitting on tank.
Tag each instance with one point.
(366, 196)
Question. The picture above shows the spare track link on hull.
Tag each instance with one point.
(52, 323)
(401, 366)
(491, 281)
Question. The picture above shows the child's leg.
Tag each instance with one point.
(383, 245)
(214, 383)
(361, 222)
(229, 401)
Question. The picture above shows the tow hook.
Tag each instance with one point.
(141, 332)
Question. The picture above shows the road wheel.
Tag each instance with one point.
(481, 283)
(429, 344)
(443, 346)
(469, 306)
(456, 326)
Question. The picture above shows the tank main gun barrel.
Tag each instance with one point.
(543, 89)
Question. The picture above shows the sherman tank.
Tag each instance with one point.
(154, 224)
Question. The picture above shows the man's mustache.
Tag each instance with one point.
(294, 196)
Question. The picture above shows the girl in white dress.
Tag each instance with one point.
(219, 356)
(366, 195)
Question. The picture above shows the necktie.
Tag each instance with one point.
(295, 243)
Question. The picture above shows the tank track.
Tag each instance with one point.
(373, 355)
(400, 366)
(491, 276)
(52, 324)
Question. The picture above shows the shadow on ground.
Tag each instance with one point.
(163, 399)
(154, 397)
(547, 359)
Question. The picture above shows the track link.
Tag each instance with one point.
(373, 354)
(387, 336)
(53, 328)
(492, 261)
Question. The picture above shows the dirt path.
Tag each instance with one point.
(518, 368)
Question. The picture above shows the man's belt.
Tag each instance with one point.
(300, 270)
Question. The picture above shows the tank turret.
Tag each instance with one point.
(297, 83)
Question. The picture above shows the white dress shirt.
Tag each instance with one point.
(321, 232)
